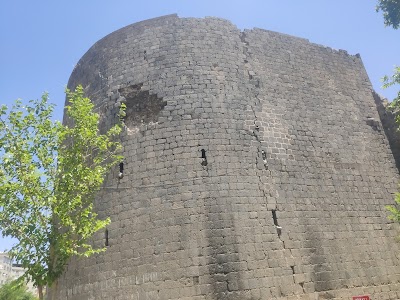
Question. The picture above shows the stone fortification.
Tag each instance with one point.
(256, 167)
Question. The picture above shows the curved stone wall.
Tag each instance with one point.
(252, 169)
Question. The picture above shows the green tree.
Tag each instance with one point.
(14, 290)
(391, 12)
(49, 175)
(391, 81)
(391, 15)
(395, 107)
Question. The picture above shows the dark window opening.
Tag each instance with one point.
(203, 154)
(121, 170)
(106, 238)
(274, 217)
(203, 157)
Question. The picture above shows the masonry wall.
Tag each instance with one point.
(252, 169)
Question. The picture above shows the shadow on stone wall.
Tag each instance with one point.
(388, 118)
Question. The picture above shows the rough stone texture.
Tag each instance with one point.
(388, 119)
(256, 167)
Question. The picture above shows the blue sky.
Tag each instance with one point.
(41, 41)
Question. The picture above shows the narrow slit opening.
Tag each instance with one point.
(203, 154)
(106, 238)
(278, 228)
(203, 157)
(274, 217)
(121, 170)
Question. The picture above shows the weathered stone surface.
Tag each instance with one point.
(388, 119)
(255, 168)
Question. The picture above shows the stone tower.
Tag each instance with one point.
(255, 167)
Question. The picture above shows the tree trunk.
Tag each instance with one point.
(52, 290)
(40, 292)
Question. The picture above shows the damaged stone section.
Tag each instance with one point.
(141, 106)
(388, 119)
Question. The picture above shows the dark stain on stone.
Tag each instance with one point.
(321, 271)
(141, 106)
(223, 256)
